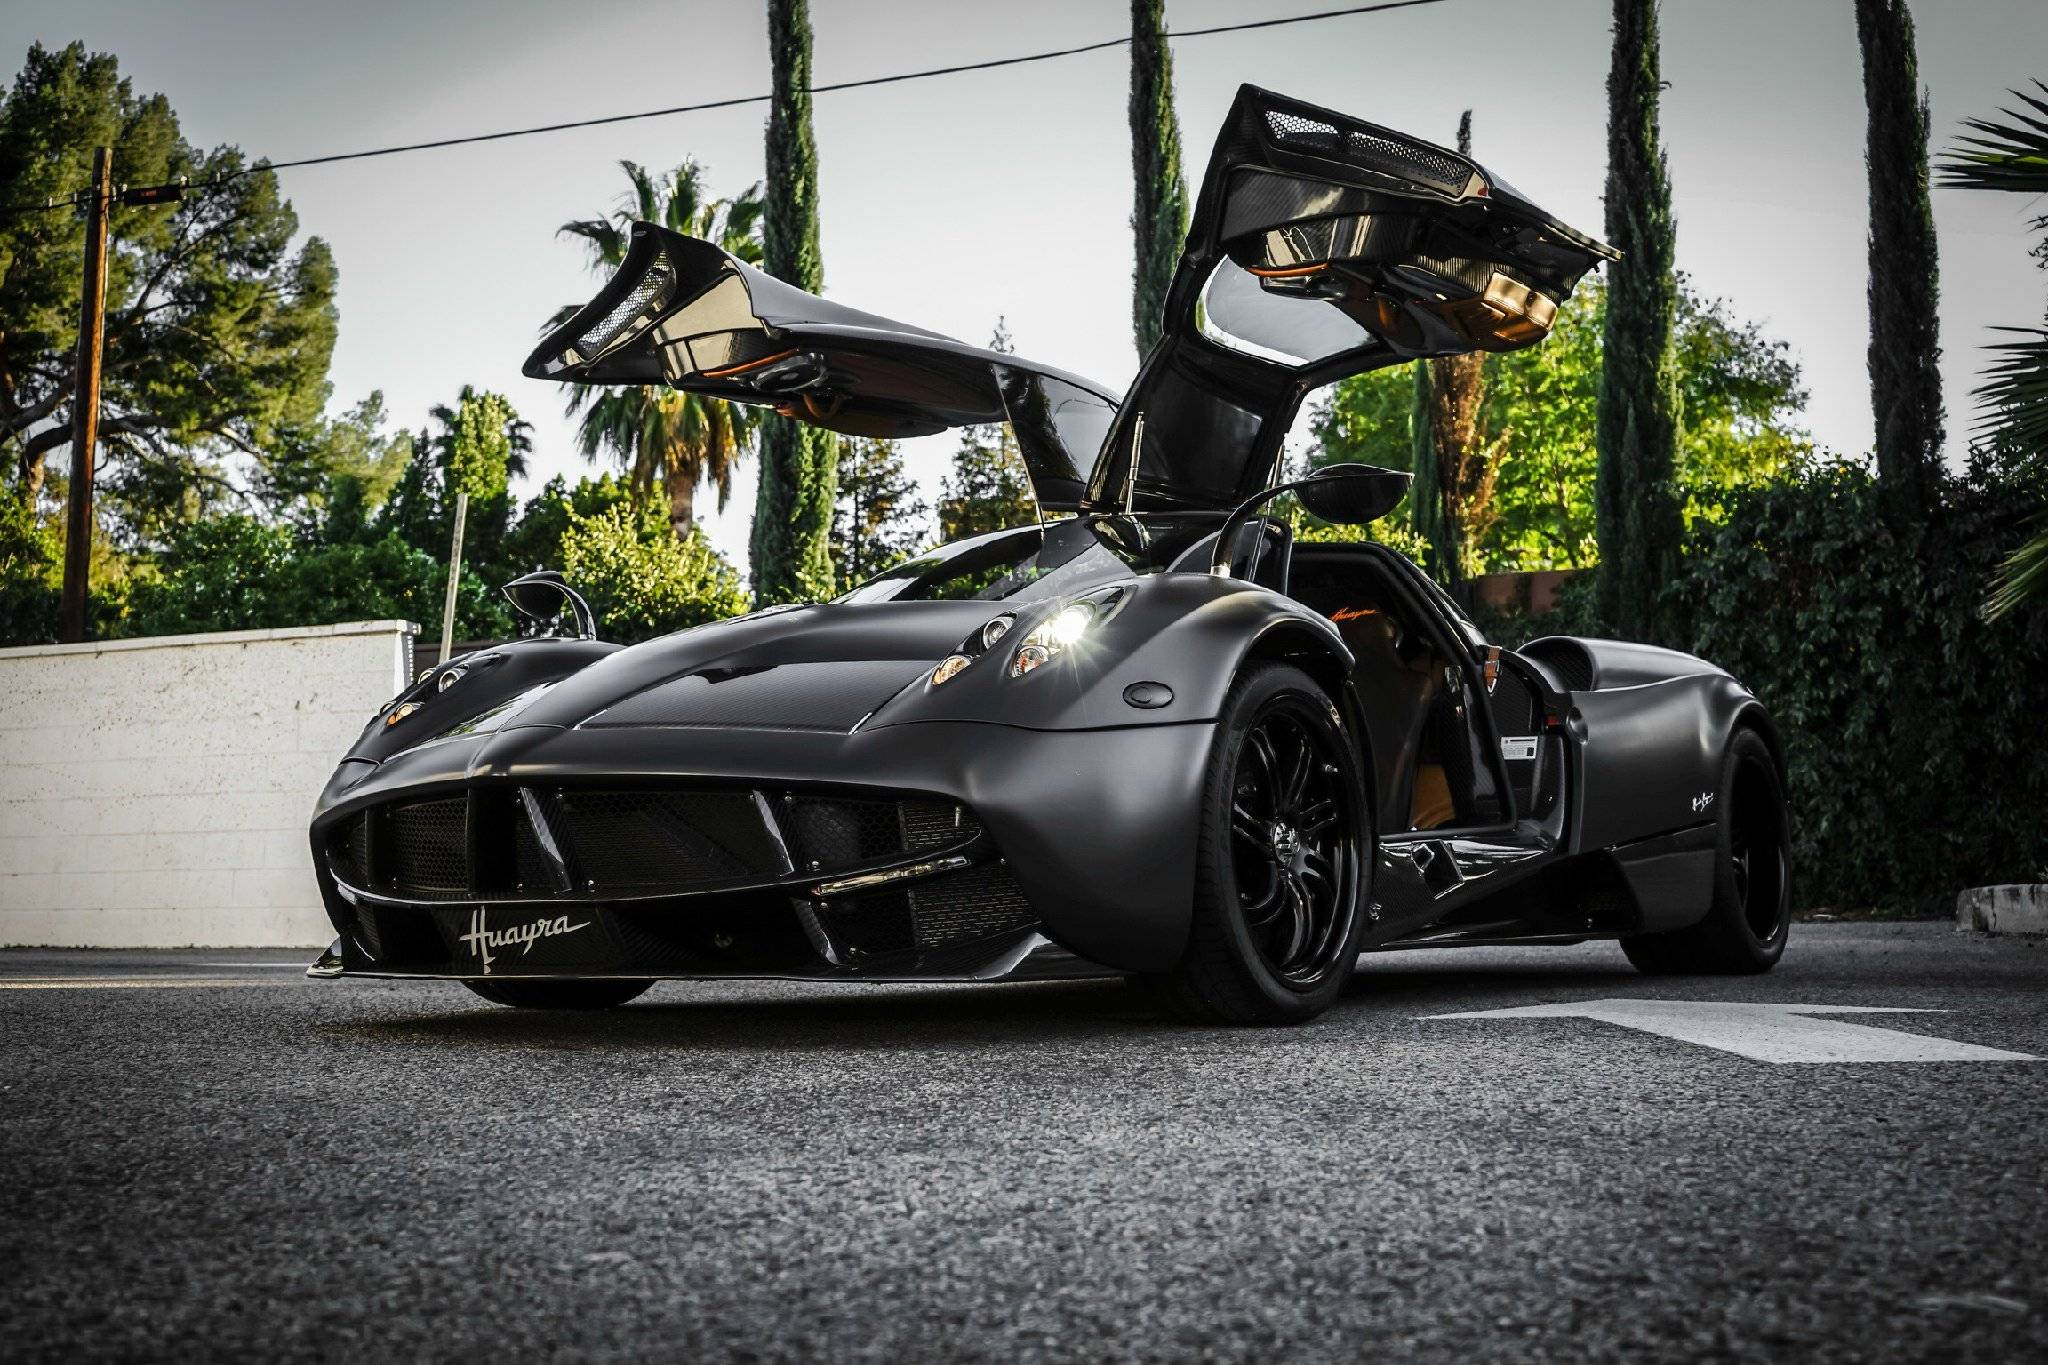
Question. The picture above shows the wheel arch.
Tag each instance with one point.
(1291, 640)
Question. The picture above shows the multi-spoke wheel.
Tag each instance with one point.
(1283, 858)
(1751, 915)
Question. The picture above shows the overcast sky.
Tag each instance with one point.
(953, 201)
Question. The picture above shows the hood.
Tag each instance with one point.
(682, 312)
(1321, 246)
(822, 667)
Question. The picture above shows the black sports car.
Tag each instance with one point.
(1150, 736)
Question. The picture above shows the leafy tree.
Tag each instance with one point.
(2010, 154)
(793, 508)
(641, 580)
(328, 469)
(238, 572)
(218, 331)
(877, 520)
(989, 488)
(1637, 509)
(1905, 332)
(1159, 213)
(1739, 389)
(682, 438)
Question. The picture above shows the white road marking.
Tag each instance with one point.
(1765, 1033)
(122, 983)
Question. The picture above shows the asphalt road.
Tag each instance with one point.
(267, 1167)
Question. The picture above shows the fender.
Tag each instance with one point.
(484, 679)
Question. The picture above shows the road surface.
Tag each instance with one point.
(205, 1155)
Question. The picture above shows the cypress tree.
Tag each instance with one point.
(1159, 213)
(1425, 494)
(1636, 508)
(799, 464)
(1905, 338)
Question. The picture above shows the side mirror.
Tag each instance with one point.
(1352, 494)
(1349, 494)
(543, 597)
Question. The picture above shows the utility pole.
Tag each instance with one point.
(85, 402)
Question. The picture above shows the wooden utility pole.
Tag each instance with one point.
(85, 402)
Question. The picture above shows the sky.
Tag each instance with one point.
(956, 201)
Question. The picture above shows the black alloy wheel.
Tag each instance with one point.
(1283, 858)
(1293, 862)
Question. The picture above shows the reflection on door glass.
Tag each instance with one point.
(1238, 313)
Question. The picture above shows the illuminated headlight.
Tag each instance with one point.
(1059, 632)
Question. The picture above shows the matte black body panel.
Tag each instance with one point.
(1650, 756)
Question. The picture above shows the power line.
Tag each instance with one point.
(738, 100)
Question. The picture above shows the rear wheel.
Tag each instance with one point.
(1745, 929)
(1282, 859)
(559, 995)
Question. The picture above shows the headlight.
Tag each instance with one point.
(1060, 631)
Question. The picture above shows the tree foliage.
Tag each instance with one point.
(2010, 154)
(683, 439)
(1637, 517)
(1739, 389)
(1159, 212)
(218, 331)
(641, 579)
(1905, 332)
(790, 546)
(877, 520)
(989, 486)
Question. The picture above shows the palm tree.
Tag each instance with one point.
(2010, 153)
(679, 437)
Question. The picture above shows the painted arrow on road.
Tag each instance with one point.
(1766, 1033)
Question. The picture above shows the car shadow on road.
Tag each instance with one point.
(782, 1017)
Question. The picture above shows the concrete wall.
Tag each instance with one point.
(155, 793)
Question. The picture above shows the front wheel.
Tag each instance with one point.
(1282, 858)
(1746, 927)
(596, 994)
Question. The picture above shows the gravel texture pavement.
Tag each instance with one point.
(204, 1155)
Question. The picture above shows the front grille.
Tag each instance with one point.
(427, 850)
(831, 835)
(636, 840)
(649, 841)
(979, 903)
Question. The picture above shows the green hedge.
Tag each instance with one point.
(1916, 734)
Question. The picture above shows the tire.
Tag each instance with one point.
(1282, 860)
(1745, 929)
(597, 994)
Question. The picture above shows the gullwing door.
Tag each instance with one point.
(1322, 246)
(681, 311)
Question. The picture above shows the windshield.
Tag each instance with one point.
(1031, 563)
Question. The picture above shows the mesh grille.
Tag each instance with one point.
(428, 853)
(637, 840)
(831, 834)
(348, 854)
(1414, 161)
(979, 903)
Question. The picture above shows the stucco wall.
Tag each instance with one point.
(155, 793)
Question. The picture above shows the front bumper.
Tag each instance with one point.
(1079, 856)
